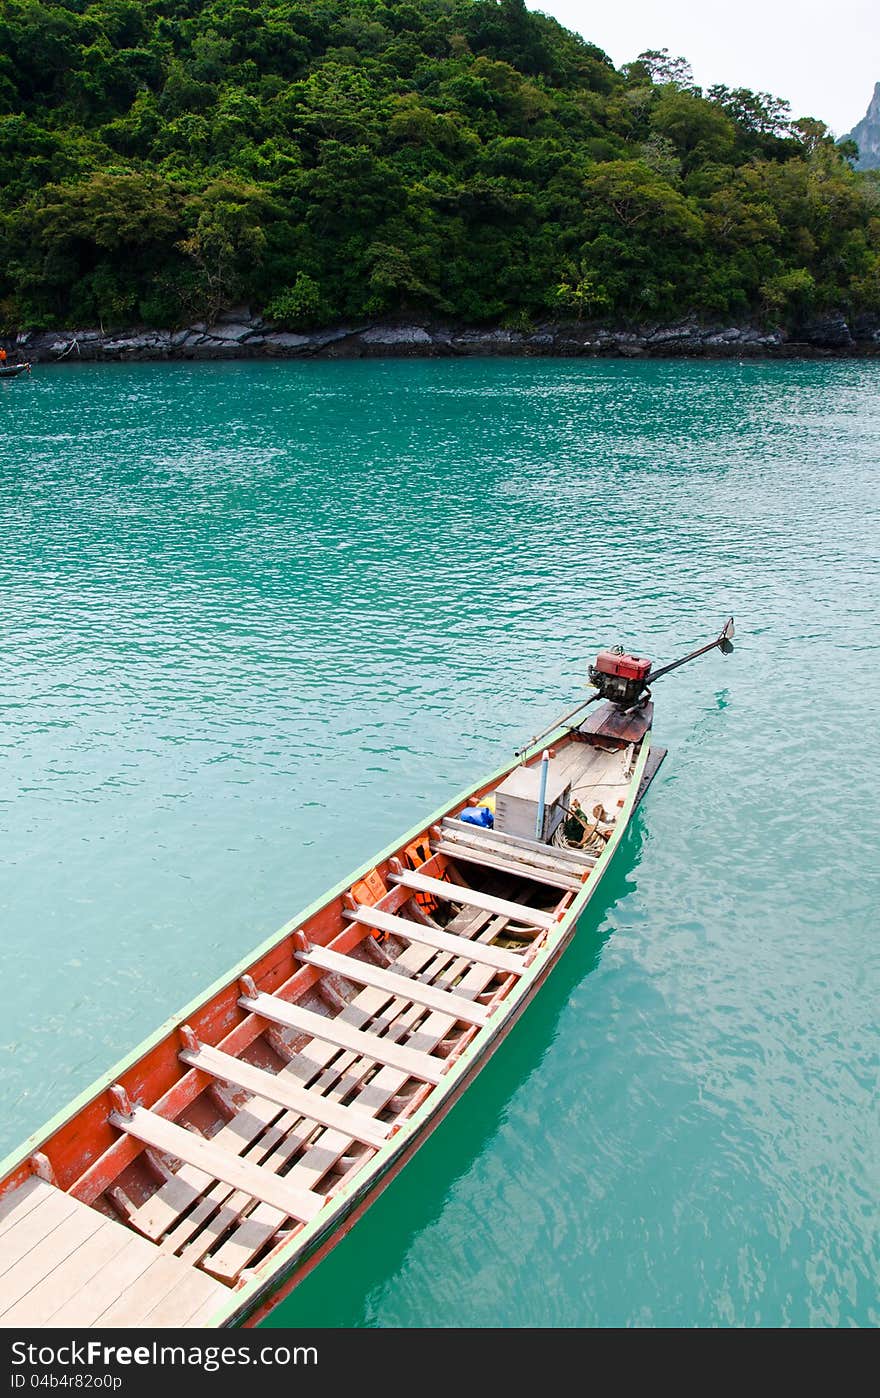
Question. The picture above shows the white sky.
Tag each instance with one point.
(824, 58)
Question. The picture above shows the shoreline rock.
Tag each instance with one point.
(236, 334)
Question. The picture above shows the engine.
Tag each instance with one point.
(620, 677)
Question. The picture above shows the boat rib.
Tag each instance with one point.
(192, 1213)
(256, 1230)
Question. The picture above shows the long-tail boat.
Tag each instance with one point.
(12, 371)
(200, 1179)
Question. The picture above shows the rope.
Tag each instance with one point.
(593, 839)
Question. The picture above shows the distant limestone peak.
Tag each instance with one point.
(867, 134)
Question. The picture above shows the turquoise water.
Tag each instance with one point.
(258, 619)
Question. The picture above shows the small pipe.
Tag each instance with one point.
(557, 723)
(542, 795)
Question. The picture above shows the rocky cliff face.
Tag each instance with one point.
(867, 134)
(236, 334)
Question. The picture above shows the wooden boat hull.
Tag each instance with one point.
(12, 371)
(84, 1154)
(306, 1257)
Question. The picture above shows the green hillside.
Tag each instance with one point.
(468, 159)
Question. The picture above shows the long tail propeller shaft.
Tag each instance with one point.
(723, 641)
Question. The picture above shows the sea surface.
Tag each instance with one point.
(256, 619)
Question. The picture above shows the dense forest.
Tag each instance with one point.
(465, 159)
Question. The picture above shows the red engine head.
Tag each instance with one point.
(628, 667)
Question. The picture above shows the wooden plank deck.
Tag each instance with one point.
(100, 1292)
(489, 859)
(219, 1164)
(163, 1296)
(510, 962)
(472, 898)
(18, 1202)
(263, 1222)
(339, 1078)
(275, 1087)
(95, 1252)
(334, 1031)
(65, 1264)
(499, 840)
(53, 1209)
(364, 973)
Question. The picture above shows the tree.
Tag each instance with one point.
(811, 133)
(789, 292)
(757, 112)
(580, 291)
(697, 130)
(298, 307)
(393, 282)
(627, 193)
(662, 69)
(225, 243)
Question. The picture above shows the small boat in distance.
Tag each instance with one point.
(12, 371)
(200, 1179)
